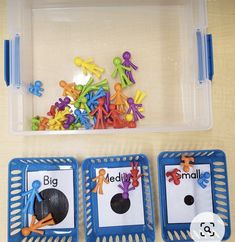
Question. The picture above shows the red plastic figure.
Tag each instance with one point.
(134, 174)
(52, 111)
(114, 116)
(100, 110)
(174, 176)
(131, 124)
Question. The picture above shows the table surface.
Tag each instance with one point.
(222, 25)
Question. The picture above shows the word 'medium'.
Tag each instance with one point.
(193, 175)
(50, 181)
(114, 178)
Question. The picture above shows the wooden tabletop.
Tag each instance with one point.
(222, 25)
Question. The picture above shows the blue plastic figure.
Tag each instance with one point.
(36, 88)
(126, 182)
(204, 179)
(33, 193)
(92, 99)
(83, 118)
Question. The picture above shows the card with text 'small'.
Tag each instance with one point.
(43, 199)
(118, 199)
(192, 183)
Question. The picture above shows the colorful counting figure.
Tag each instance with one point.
(69, 89)
(89, 66)
(120, 70)
(82, 101)
(126, 185)
(74, 126)
(119, 98)
(134, 174)
(52, 111)
(204, 179)
(174, 176)
(127, 62)
(92, 98)
(35, 226)
(100, 179)
(100, 111)
(114, 117)
(139, 96)
(187, 162)
(70, 119)
(56, 123)
(133, 107)
(36, 88)
(43, 123)
(82, 118)
(35, 123)
(62, 104)
(33, 193)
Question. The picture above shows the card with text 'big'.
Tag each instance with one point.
(43, 199)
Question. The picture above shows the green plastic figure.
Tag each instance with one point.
(35, 123)
(120, 70)
(81, 102)
(75, 126)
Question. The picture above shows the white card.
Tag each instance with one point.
(107, 217)
(178, 211)
(61, 180)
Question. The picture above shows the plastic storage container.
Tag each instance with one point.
(167, 38)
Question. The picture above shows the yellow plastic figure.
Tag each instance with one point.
(89, 66)
(119, 98)
(139, 96)
(56, 123)
(100, 180)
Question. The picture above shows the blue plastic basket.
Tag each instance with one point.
(93, 232)
(219, 186)
(18, 169)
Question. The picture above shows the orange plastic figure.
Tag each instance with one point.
(119, 98)
(114, 116)
(89, 66)
(100, 180)
(35, 226)
(134, 174)
(43, 123)
(69, 89)
(187, 162)
(100, 114)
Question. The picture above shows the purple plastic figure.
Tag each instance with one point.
(204, 179)
(126, 182)
(70, 120)
(36, 88)
(134, 108)
(107, 101)
(62, 104)
(127, 62)
(33, 193)
(83, 118)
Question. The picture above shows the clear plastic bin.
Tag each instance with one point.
(167, 39)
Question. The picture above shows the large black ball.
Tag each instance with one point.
(54, 202)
